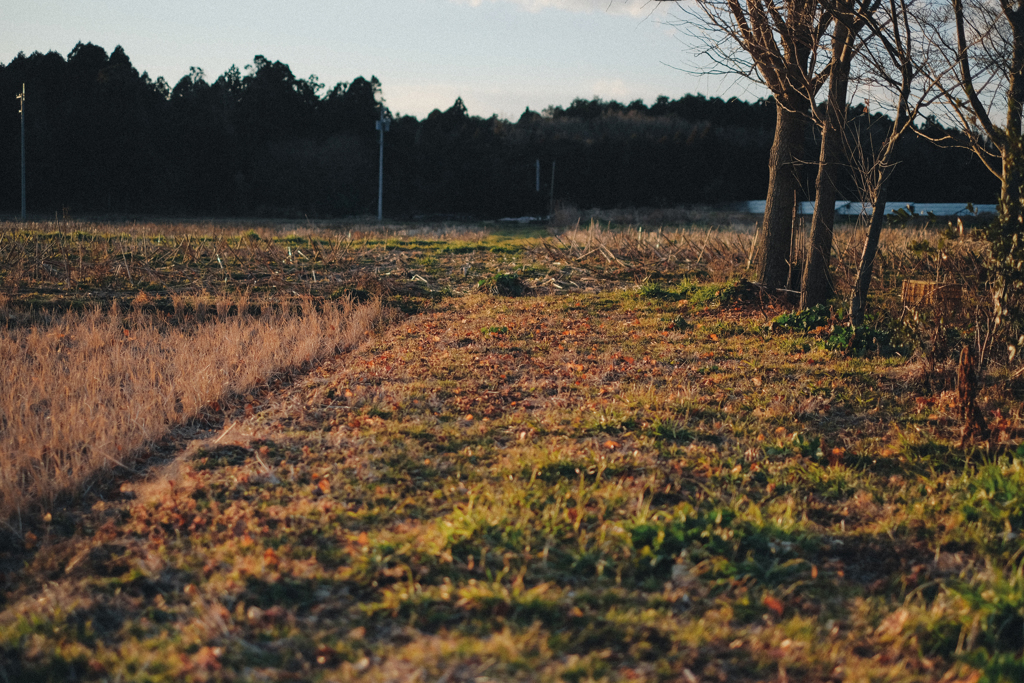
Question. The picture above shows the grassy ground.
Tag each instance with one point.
(612, 477)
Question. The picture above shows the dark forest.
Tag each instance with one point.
(259, 141)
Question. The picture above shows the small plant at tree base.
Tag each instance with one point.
(805, 320)
(835, 334)
(864, 340)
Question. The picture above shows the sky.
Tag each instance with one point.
(499, 56)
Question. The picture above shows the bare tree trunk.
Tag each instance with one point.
(858, 302)
(778, 43)
(1009, 194)
(1011, 178)
(897, 40)
(816, 285)
(772, 254)
(1004, 139)
(877, 180)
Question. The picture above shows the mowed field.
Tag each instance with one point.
(495, 454)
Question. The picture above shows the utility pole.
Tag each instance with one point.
(383, 125)
(552, 200)
(21, 102)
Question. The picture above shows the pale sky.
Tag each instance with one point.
(500, 56)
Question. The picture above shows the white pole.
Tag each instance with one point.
(552, 187)
(382, 126)
(21, 98)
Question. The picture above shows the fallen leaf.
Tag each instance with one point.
(774, 605)
(207, 658)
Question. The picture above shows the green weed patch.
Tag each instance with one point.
(835, 335)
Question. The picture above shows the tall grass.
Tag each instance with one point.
(83, 393)
(721, 252)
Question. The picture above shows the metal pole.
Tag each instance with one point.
(552, 187)
(538, 176)
(21, 99)
(382, 125)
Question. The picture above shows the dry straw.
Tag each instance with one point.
(84, 393)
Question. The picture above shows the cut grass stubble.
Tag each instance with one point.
(88, 391)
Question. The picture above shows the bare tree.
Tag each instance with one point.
(895, 63)
(983, 44)
(777, 43)
(815, 285)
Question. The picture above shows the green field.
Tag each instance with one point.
(584, 455)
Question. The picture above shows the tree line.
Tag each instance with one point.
(102, 137)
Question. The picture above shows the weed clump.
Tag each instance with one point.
(679, 324)
(836, 335)
(505, 284)
(655, 290)
(703, 295)
(723, 294)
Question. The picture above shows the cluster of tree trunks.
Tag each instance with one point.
(915, 54)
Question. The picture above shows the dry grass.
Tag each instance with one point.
(85, 392)
(720, 252)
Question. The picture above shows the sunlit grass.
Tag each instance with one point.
(84, 393)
